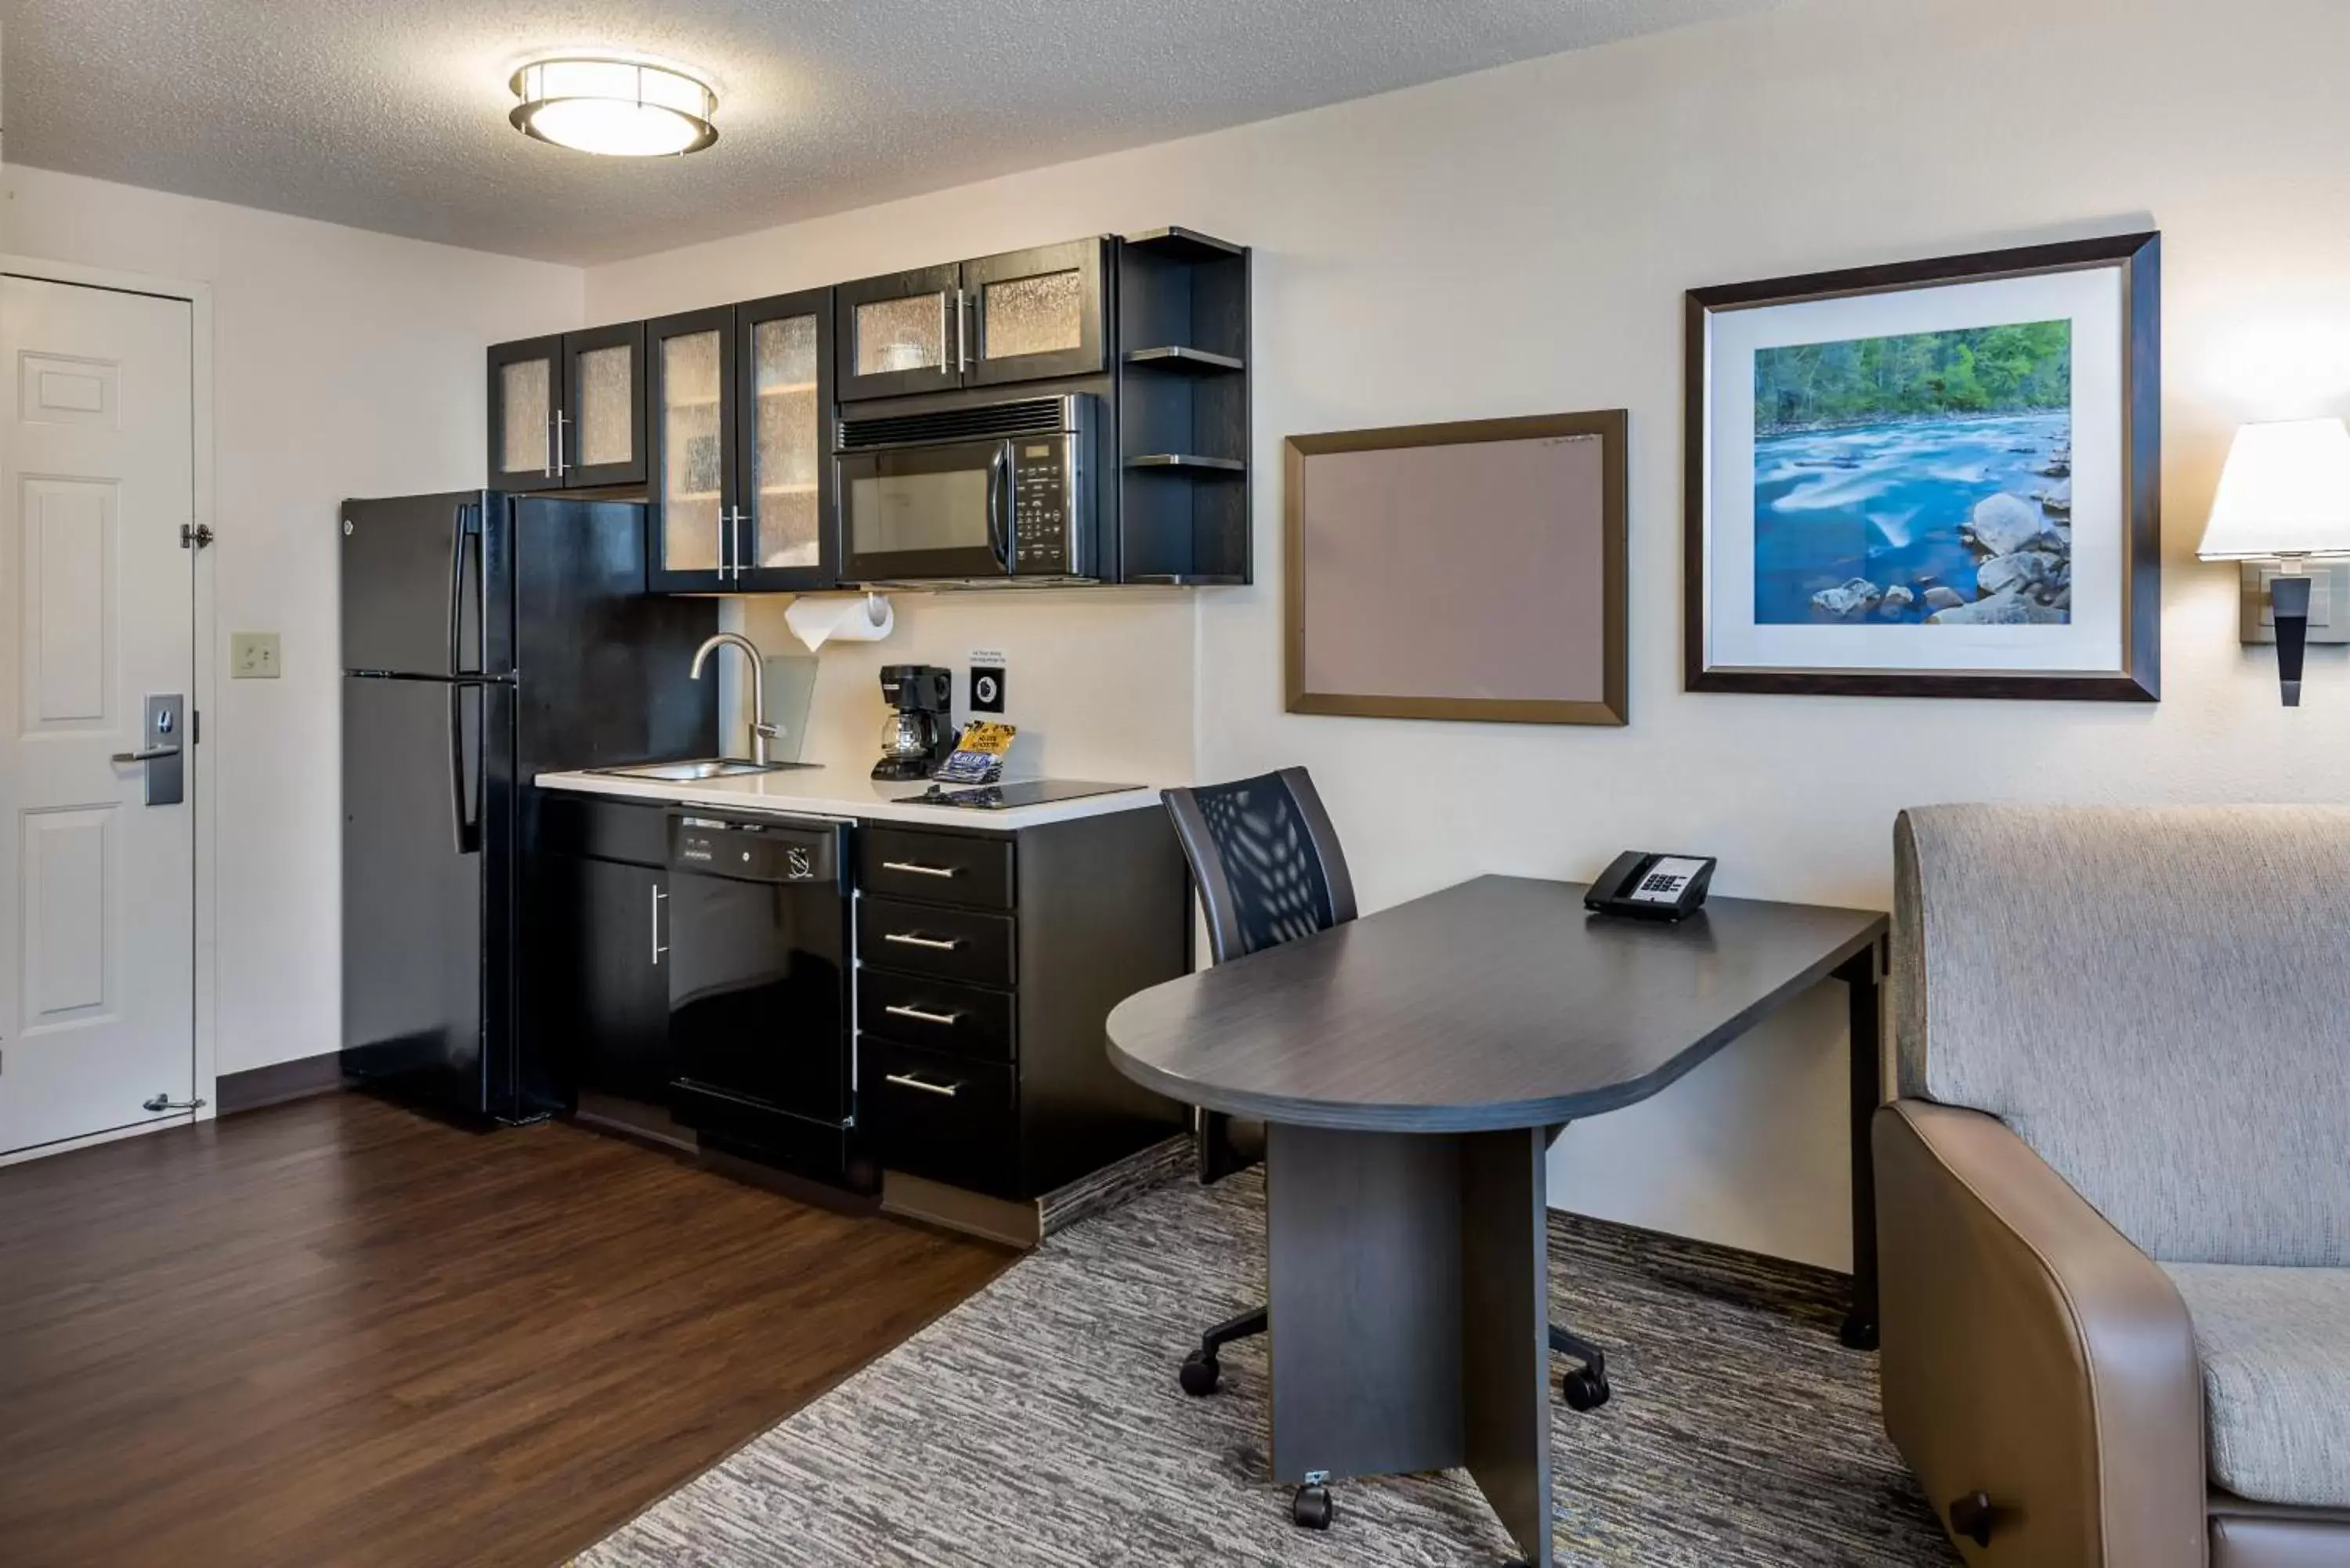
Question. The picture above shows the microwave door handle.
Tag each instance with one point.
(998, 498)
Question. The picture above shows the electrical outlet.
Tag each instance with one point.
(253, 656)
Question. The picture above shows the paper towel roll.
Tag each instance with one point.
(818, 621)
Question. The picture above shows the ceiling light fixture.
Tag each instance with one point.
(622, 108)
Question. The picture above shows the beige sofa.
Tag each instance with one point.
(2114, 1197)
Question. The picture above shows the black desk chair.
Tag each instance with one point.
(1269, 870)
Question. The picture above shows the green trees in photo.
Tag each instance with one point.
(1978, 370)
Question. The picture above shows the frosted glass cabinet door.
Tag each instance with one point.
(903, 332)
(524, 391)
(693, 458)
(786, 446)
(1035, 313)
(603, 418)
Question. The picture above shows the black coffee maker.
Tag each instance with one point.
(919, 732)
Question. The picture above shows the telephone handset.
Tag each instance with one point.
(1651, 887)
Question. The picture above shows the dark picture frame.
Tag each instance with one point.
(2138, 675)
(1476, 636)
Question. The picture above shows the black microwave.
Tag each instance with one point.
(998, 491)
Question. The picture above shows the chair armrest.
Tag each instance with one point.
(2030, 1353)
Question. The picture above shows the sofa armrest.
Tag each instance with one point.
(2032, 1353)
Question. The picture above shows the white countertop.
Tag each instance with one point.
(845, 791)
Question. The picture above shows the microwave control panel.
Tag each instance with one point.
(1046, 486)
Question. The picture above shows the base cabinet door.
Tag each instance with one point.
(608, 984)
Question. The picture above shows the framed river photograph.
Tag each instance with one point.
(1938, 479)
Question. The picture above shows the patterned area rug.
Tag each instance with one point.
(1039, 1426)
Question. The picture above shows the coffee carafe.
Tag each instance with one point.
(918, 732)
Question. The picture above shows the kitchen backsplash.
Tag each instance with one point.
(1099, 682)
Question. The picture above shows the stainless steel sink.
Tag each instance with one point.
(699, 768)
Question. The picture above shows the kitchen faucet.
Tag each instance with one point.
(760, 730)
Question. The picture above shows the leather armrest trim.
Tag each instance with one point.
(2032, 1350)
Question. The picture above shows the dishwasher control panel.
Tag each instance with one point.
(755, 851)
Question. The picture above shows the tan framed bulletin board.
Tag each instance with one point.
(1473, 570)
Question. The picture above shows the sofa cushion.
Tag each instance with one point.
(2275, 1349)
(2153, 998)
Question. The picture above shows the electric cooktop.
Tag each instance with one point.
(1004, 797)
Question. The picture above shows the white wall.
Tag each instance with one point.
(345, 363)
(1517, 241)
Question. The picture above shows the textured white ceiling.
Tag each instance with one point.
(391, 114)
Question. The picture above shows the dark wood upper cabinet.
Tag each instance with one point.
(902, 332)
(1023, 316)
(567, 411)
(525, 391)
(783, 360)
(737, 397)
(689, 398)
(601, 427)
(1036, 313)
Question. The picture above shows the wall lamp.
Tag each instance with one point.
(2284, 497)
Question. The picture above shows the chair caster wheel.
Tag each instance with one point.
(1584, 1391)
(1312, 1508)
(1199, 1376)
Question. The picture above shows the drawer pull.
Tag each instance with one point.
(946, 1020)
(908, 1081)
(936, 944)
(917, 868)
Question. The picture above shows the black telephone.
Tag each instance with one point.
(1651, 887)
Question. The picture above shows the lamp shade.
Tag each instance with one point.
(2285, 492)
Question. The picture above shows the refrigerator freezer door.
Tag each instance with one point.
(426, 1013)
(418, 574)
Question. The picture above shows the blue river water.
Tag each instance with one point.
(1885, 502)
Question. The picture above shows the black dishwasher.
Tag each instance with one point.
(759, 977)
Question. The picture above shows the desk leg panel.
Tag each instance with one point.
(1860, 977)
(1505, 1332)
(1364, 1263)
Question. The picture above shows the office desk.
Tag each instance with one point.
(1409, 1067)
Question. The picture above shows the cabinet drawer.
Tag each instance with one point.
(929, 939)
(942, 867)
(947, 1117)
(934, 1014)
(599, 830)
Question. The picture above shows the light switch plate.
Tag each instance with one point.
(253, 656)
(2329, 602)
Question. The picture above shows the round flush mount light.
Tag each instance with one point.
(622, 108)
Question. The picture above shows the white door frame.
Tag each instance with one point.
(202, 673)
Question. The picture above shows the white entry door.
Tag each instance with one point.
(97, 617)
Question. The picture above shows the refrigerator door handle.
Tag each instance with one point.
(468, 823)
(463, 529)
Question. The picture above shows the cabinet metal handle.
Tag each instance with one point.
(917, 868)
(147, 755)
(962, 335)
(659, 947)
(948, 1020)
(908, 938)
(908, 1081)
(562, 465)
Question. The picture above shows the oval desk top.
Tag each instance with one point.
(1497, 1003)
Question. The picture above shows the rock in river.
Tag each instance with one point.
(2006, 523)
(1897, 599)
(1854, 599)
(2013, 608)
(2025, 568)
(1942, 598)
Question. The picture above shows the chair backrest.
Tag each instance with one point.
(2156, 1000)
(1265, 859)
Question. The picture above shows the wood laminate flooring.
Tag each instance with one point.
(336, 1333)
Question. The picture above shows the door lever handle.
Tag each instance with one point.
(159, 1102)
(147, 755)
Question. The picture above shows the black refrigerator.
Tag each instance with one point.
(486, 638)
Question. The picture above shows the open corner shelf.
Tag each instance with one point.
(1184, 461)
(1178, 244)
(1185, 361)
